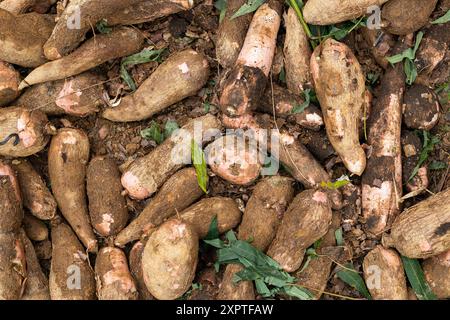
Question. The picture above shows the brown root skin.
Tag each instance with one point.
(37, 198)
(399, 21)
(340, 88)
(69, 265)
(285, 102)
(182, 75)
(36, 285)
(114, 280)
(12, 266)
(107, 207)
(319, 146)
(318, 12)
(135, 260)
(382, 179)
(306, 220)
(297, 54)
(6, 170)
(23, 37)
(43, 249)
(146, 174)
(95, 51)
(148, 11)
(423, 230)
(77, 19)
(265, 209)
(437, 274)
(231, 34)
(234, 159)
(384, 275)
(170, 259)
(420, 108)
(22, 6)
(9, 83)
(30, 127)
(201, 214)
(243, 290)
(411, 149)
(172, 198)
(67, 159)
(10, 204)
(380, 44)
(80, 95)
(34, 228)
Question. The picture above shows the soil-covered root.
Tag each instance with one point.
(34, 228)
(306, 220)
(319, 12)
(120, 42)
(384, 275)
(231, 34)
(402, 17)
(176, 194)
(146, 174)
(36, 284)
(380, 44)
(284, 103)
(316, 274)
(80, 95)
(265, 209)
(340, 87)
(107, 206)
(423, 230)
(229, 290)
(420, 108)
(23, 36)
(22, 6)
(43, 249)
(78, 18)
(411, 149)
(297, 54)
(71, 277)
(245, 83)
(114, 280)
(382, 179)
(135, 261)
(235, 159)
(37, 198)
(28, 129)
(68, 156)
(9, 83)
(170, 259)
(437, 274)
(182, 75)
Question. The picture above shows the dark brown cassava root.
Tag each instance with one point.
(228, 290)
(122, 41)
(34, 228)
(67, 159)
(411, 149)
(9, 83)
(182, 75)
(420, 108)
(437, 274)
(135, 260)
(107, 206)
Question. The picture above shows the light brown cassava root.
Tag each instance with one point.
(182, 75)
(9, 83)
(423, 230)
(146, 174)
(135, 260)
(21, 6)
(120, 42)
(437, 274)
(107, 206)
(228, 290)
(114, 280)
(172, 198)
(34, 228)
(67, 159)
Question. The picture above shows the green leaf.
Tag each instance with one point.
(102, 26)
(351, 277)
(410, 71)
(249, 6)
(444, 19)
(437, 165)
(144, 56)
(409, 53)
(153, 133)
(221, 5)
(304, 105)
(213, 231)
(198, 159)
(417, 280)
(217, 243)
(428, 147)
(334, 185)
(171, 127)
(282, 75)
(339, 237)
(298, 292)
(206, 106)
